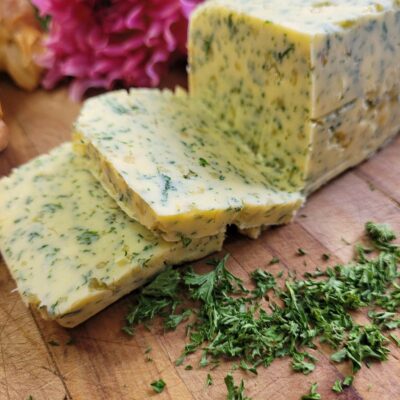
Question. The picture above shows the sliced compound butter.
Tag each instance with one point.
(69, 247)
(165, 162)
(272, 69)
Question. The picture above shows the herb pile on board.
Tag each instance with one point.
(229, 321)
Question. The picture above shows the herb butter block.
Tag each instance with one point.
(69, 247)
(276, 73)
(163, 160)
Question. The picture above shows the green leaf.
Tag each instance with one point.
(264, 282)
(235, 392)
(380, 233)
(395, 339)
(348, 381)
(299, 363)
(245, 367)
(173, 320)
(337, 386)
(313, 395)
(158, 386)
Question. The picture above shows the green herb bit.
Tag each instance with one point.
(180, 360)
(167, 187)
(188, 368)
(301, 252)
(313, 395)
(88, 237)
(209, 380)
(158, 386)
(364, 343)
(381, 233)
(202, 287)
(300, 363)
(173, 320)
(326, 257)
(203, 162)
(245, 367)
(264, 282)
(274, 260)
(384, 319)
(235, 392)
(160, 296)
(337, 386)
(348, 381)
(340, 385)
(148, 350)
(186, 241)
(395, 339)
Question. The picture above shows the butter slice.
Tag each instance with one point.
(166, 163)
(272, 69)
(69, 247)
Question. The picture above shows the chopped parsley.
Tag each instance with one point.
(326, 257)
(167, 186)
(186, 241)
(264, 282)
(340, 385)
(87, 237)
(158, 386)
(230, 322)
(313, 395)
(203, 162)
(274, 260)
(395, 339)
(301, 252)
(337, 386)
(234, 392)
(280, 56)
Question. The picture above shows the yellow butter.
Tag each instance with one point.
(168, 165)
(270, 69)
(69, 247)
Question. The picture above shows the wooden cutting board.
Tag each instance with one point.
(104, 364)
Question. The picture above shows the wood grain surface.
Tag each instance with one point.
(104, 364)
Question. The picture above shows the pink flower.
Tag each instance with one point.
(104, 43)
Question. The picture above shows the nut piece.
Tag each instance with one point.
(20, 43)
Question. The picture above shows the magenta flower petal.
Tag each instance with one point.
(101, 44)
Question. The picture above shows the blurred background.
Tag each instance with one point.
(77, 48)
